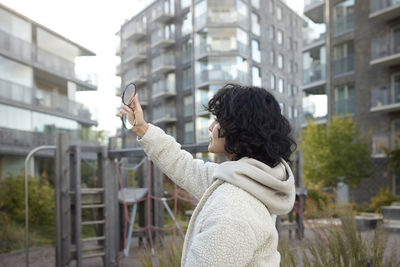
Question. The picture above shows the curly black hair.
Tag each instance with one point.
(252, 124)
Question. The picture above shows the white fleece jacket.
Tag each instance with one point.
(234, 221)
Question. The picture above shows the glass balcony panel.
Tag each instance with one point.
(163, 87)
(385, 95)
(343, 24)
(386, 45)
(134, 30)
(311, 2)
(135, 53)
(343, 65)
(317, 72)
(164, 11)
(163, 37)
(15, 92)
(380, 142)
(377, 5)
(344, 107)
(217, 41)
(15, 46)
(136, 75)
(216, 12)
(164, 113)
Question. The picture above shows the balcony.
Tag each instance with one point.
(344, 107)
(384, 9)
(218, 76)
(316, 74)
(385, 50)
(41, 100)
(143, 98)
(314, 9)
(204, 50)
(40, 58)
(164, 114)
(163, 12)
(343, 25)
(21, 142)
(163, 63)
(136, 75)
(343, 66)
(312, 39)
(162, 38)
(221, 19)
(385, 99)
(163, 88)
(134, 54)
(133, 30)
(380, 142)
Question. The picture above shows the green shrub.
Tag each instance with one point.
(384, 197)
(168, 254)
(41, 200)
(10, 236)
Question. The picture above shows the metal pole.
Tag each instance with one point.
(164, 201)
(26, 198)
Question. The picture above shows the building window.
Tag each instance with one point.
(290, 89)
(187, 51)
(343, 17)
(255, 3)
(187, 24)
(295, 90)
(202, 133)
(272, 57)
(289, 112)
(255, 51)
(271, 6)
(255, 24)
(188, 137)
(279, 13)
(295, 45)
(256, 75)
(280, 61)
(343, 55)
(280, 85)
(282, 107)
(344, 100)
(279, 37)
(187, 105)
(271, 32)
(187, 78)
(185, 3)
(295, 112)
(272, 81)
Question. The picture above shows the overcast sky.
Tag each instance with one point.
(93, 24)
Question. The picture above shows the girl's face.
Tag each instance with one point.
(217, 144)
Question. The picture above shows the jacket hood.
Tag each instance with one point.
(274, 187)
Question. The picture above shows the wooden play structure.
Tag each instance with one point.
(111, 199)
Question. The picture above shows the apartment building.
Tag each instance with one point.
(351, 62)
(180, 52)
(38, 85)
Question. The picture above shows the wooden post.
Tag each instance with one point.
(158, 207)
(112, 218)
(142, 211)
(77, 215)
(63, 205)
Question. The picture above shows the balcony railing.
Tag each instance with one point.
(163, 63)
(238, 46)
(30, 52)
(26, 139)
(343, 25)
(42, 98)
(163, 12)
(344, 107)
(378, 5)
(317, 72)
(343, 65)
(385, 96)
(222, 75)
(135, 53)
(214, 18)
(134, 30)
(385, 47)
(310, 38)
(163, 87)
(162, 38)
(382, 141)
(308, 3)
(164, 113)
(136, 75)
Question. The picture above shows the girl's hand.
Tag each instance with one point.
(135, 112)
